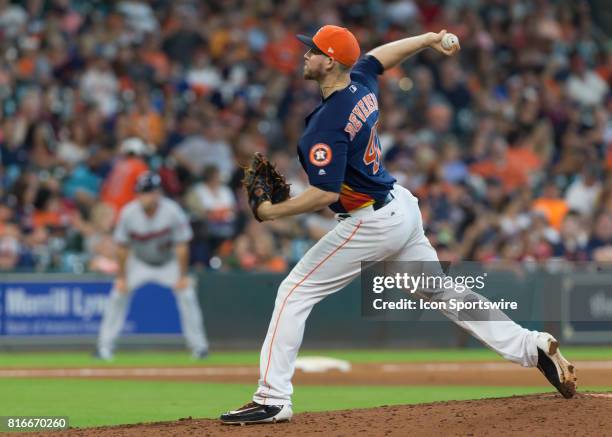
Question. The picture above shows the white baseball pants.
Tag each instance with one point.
(139, 273)
(393, 233)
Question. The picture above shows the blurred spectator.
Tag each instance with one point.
(9, 246)
(583, 193)
(83, 185)
(72, 145)
(99, 86)
(551, 205)
(144, 122)
(50, 211)
(203, 146)
(573, 239)
(453, 167)
(98, 241)
(118, 188)
(214, 206)
(498, 165)
(180, 45)
(255, 250)
(600, 244)
(584, 85)
(12, 19)
(139, 15)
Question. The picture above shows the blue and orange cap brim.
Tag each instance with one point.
(307, 40)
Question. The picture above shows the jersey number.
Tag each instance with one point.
(373, 152)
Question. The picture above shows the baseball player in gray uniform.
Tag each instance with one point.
(152, 235)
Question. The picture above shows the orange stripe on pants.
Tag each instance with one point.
(293, 289)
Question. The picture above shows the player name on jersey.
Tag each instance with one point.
(361, 111)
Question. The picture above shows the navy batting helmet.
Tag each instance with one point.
(148, 182)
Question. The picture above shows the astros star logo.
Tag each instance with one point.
(320, 154)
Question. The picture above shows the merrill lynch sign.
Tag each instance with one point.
(58, 302)
(64, 307)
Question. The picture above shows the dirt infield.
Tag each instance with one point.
(535, 415)
(590, 373)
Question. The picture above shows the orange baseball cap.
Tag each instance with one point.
(336, 42)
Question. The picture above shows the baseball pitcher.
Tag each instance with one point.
(152, 235)
(378, 220)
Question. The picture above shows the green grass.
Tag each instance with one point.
(173, 358)
(107, 402)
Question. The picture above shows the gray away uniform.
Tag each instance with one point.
(152, 258)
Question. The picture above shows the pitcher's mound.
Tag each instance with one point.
(533, 415)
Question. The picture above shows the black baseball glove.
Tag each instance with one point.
(264, 183)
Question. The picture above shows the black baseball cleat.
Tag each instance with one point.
(102, 355)
(257, 413)
(200, 355)
(559, 372)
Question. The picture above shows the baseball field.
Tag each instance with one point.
(395, 392)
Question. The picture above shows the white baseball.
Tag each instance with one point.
(449, 40)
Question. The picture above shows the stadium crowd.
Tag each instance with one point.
(507, 145)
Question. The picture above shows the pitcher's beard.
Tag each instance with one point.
(309, 74)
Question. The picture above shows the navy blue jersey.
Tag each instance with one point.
(340, 149)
